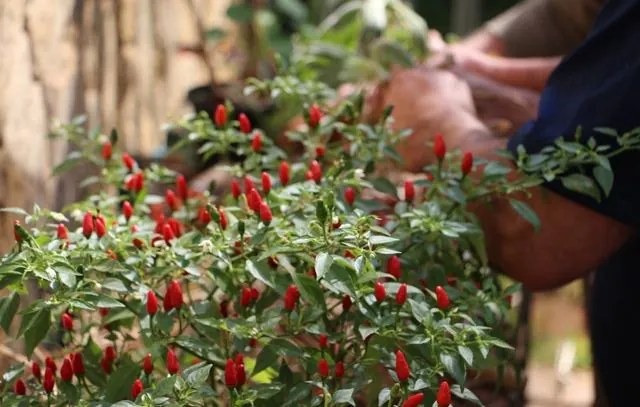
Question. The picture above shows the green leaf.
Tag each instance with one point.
(8, 307)
(266, 358)
(215, 34)
(384, 185)
(309, 289)
(292, 8)
(38, 327)
(453, 366)
(196, 375)
(66, 275)
(113, 137)
(494, 168)
(606, 131)
(604, 176)
(379, 239)
(500, 344)
(466, 394)
(467, 354)
(323, 264)
(114, 284)
(526, 212)
(73, 160)
(70, 391)
(119, 384)
(17, 211)
(582, 184)
(105, 301)
(344, 396)
(384, 396)
(366, 331)
(240, 13)
(260, 273)
(13, 373)
(165, 387)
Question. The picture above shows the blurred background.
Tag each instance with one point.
(136, 64)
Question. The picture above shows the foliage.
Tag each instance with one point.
(268, 277)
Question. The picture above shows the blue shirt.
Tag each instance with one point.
(598, 85)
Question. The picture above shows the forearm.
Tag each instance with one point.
(530, 73)
(571, 242)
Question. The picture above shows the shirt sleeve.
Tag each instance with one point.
(539, 28)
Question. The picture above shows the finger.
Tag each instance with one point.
(436, 42)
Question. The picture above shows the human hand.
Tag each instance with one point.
(428, 101)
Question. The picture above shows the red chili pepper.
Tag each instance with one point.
(255, 294)
(128, 161)
(409, 191)
(107, 151)
(230, 377)
(19, 388)
(315, 115)
(171, 200)
(49, 380)
(316, 171)
(339, 369)
(284, 173)
(172, 362)
(402, 367)
(78, 364)
(67, 321)
(413, 400)
(349, 196)
(136, 389)
(62, 232)
(266, 182)
(50, 364)
(35, 370)
(223, 219)
(152, 303)
(101, 227)
(235, 188)
(106, 365)
(175, 293)
(147, 365)
(248, 184)
(443, 397)
(323, 368)
(176, 226)
(203, 216)
(442, 298)
(220, 116)
(401, 296)
(127, 210)
(439, 147)
(245, 297)
(182, 188)
(322, 339)
(87, 225)
(265, 213)
(467, 163)
(379, 292)
(394, 267)
(241, 376)
(245, 123)
(346, 303)
(320, 151)
(254, 200)
(253, 342)
(291, 297)
(110, 353)
(66, 371)
(256, 142)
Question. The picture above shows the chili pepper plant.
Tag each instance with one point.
(315, 282)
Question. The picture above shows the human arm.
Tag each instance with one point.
(573, 239)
